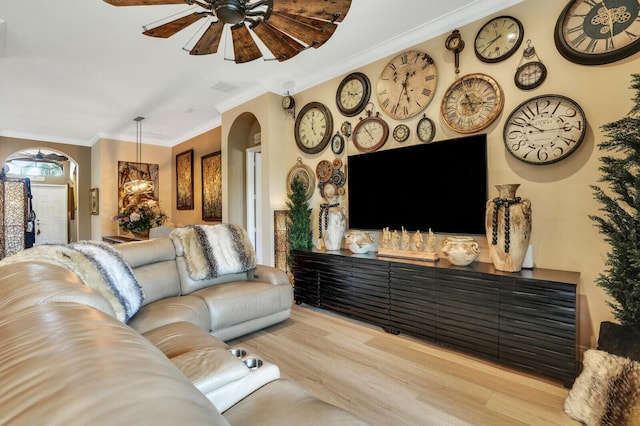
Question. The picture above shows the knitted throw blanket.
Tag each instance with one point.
(98, 265)
(214, 250)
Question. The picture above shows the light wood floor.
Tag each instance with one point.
(399, 380)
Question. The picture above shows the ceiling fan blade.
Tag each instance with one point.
(144, 2)
(170, 28)
(320, 9)
(280, 44)
(209, 41)
(300, 30)
(318, 24)
(245, 48)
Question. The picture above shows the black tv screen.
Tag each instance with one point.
(440, 186)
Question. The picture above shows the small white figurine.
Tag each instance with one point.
(405, 239)
(417, 240)
(395, 240)
(431, 243)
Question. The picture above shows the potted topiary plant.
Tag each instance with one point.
(620, 223)
(299, 232)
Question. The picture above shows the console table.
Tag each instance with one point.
(525, 320)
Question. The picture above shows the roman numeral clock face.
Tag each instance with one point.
(472, 103)
(407, 84)
(545, 129)
(594, 32)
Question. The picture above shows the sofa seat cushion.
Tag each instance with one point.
(235, 303)
(284, 403)
(188, 308)
(64, 363)
(205, 360)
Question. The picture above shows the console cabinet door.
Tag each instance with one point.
(306, 284)
(334, 276)
(370, 291)
(413, 300)
(467, 312)
(538, 327)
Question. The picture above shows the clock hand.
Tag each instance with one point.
(491, 42)
(609, 18)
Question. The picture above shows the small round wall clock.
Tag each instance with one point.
(401, 133)
(531, 72)
(498, 39)
(407, 84)
(545, 129)
(353, 94)
(313, 128)
(592, 32)
(472, 103)
(370, 133)
(337, 144)
(426, 129)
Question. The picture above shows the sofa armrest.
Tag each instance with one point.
(268, 274)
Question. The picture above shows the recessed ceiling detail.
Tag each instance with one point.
(284, 27)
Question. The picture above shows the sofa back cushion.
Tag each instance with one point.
(154, 265)
(25, 284)
(190, 285)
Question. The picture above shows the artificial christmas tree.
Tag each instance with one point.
(299, 231)
(620, 223)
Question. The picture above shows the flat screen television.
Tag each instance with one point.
(440, 186)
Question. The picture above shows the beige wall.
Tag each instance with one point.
(105, 156)
(563, 236)
(202, 145)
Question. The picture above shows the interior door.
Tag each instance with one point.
(50, 206)
(254, 199)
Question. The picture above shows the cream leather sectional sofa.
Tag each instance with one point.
(65, 359)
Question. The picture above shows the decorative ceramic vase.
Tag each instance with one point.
(359, 242)
(461, 251)
(142, 234)
(336, 225)
(508, 227)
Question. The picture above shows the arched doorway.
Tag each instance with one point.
(244, 177)
(54, 181)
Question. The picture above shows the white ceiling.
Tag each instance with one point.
(75, 71)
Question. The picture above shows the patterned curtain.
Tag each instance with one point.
(13, 215)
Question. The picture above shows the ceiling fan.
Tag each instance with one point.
(285, 27)
(39, 156)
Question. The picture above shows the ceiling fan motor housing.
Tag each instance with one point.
(230, 11)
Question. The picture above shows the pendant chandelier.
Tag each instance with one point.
(138, 186)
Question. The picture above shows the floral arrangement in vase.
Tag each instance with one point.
(138, 218)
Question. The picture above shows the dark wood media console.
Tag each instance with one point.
(525, 320)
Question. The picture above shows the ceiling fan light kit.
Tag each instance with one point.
(284, 27)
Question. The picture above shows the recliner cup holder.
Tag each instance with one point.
(253, 363)
(237, 352)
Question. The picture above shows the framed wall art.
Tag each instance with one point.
(212, 187)
(94, 200)
(184, 180)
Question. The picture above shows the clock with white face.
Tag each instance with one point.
(545, 129)
(407, 84)
(313, 128)
(472, 103)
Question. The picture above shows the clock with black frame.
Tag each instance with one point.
(592, 32)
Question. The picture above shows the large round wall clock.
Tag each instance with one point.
(353, 94)
(545, 129)
(370, 133)
(313, 128)
(472, 103)
(498, 39)
(407, 84)
(592, 32)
